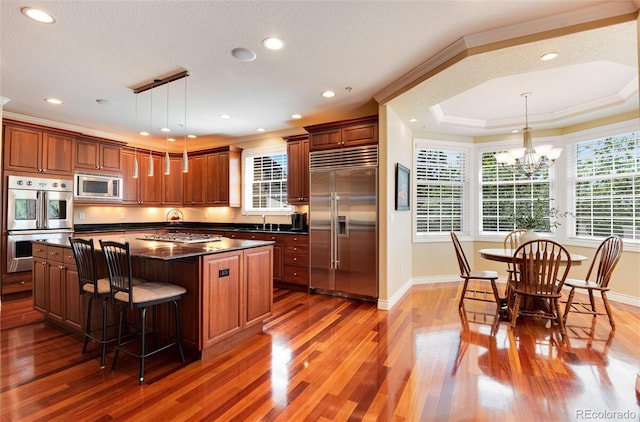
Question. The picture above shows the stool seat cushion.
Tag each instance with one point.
(150, 292)
(103, 287)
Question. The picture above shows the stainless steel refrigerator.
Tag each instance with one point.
(343, 222)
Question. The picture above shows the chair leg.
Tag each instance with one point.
(496, 295)
(87, 331)
(178, 338)
(516, 310)
(567, 306)
(104, 332)
(592, 302)
(115, 358)
(143, 329)
(608, 309)
(559, 316)
(464, 292)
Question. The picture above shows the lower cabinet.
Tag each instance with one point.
(237, 293)
(296, 260)
(56, 290)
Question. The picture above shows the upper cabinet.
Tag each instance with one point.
(98, 155)
(33, 150)
(297, 169)
(145, 190)
(343, 134)
(172, 183)
(195, 181)
(224, 177)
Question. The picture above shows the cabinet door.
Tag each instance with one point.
(326, 139)
(131, 186)
(218, 179)
(150, 186)
(72, 299)
(39, 284)
(55, 288)
(222, 292)
(259, 284)
(87, 155)
(172, 183)
(298, 172)
(22, 149)
(364, 134)
(195, 181)
(110, 158)
(57, 157)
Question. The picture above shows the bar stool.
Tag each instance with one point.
(85, 257)
(137, 293)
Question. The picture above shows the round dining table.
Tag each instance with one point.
(506, 255)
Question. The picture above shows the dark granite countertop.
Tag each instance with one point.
(217, 227)
(168, 250)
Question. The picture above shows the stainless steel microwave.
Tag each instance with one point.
(97, 187)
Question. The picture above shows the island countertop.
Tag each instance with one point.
(166, 250)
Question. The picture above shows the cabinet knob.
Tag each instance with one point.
(295, 259)
(295, 274)
(22, 283)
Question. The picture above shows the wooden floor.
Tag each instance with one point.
(328, 359)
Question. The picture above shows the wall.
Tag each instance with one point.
(395, 226)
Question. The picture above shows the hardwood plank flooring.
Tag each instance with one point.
(322, 358)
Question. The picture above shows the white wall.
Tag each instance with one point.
(395, 226)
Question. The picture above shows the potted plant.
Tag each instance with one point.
(537, 215)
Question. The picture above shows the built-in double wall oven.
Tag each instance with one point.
(37, 209)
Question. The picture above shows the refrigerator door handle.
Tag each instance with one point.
(336, 231)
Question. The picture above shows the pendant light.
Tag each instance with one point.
(150, 165)
(185, 157)
(167, 160)
(135, 151)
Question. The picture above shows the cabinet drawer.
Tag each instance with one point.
(296, 249)
(68, 256)
(296, 274)
(296, 259)
(55, 253)
(296, 240)
(39, 250)
(16, 286)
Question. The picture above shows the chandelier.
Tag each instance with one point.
(528, 160)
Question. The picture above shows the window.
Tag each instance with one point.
(505, 193)
(265, 180)
(605, 183)
(441, 181)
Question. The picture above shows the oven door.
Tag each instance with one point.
(19, 247)
(58, 207)
(23, 210)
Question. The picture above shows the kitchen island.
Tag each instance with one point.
(228, 281)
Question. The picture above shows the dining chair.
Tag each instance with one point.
(512, 240)
(95, 288)
(137, 293)
(541, 268)
(604, 261)
(466, 273)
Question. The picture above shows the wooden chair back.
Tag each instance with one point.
(512, 239)
(541, 266)
(605, 260)
(465, 269)
(118, 258)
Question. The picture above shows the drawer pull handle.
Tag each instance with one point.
(22, 283)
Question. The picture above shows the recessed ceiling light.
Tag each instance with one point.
(296, 116)
(165, 129)
(144, 133)
(549, 56)
(273, 43)
(224, 116)
(328, 94)
(171, 140)
(413, 120)
(191, 136)
(53, 101)
(260, 129)
(243, 54)
(38, 15)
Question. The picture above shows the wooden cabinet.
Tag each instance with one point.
(195, 181)
(236, 293)
(98, 155)
(56, 290)
(172, 183)
(298, 169)
(34, 150)
(224, 178)
(342, 134)
(145, 190)
(278, 238)
(296, 260)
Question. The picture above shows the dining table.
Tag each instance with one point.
(506, 255)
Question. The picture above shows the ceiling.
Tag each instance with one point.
(105, 49)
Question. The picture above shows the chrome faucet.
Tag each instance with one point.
(264, 224)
